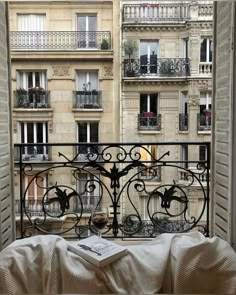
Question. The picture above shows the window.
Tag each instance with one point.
(183, 115)
(202, 153)
(148, 117)
(149, 104)
(87, 94)
(184, 155)
(87, 80)
(149, 153)
(206, 50)
(148, 57)
(185, 47)
(205, 102)
(34, 133)
(88, 189)
(31, 22)
(87, 132)
(35, 192)
(87, 27)
(31, 79)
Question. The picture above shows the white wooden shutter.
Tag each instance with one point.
(7, 225)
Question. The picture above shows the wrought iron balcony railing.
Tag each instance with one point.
(152, 122)
(139, 182)
(52, 40)
(87, 99)
(31, 99)
(161, 67)
(204, 121)
(183, 122)
(155, 12)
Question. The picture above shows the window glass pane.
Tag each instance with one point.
(203, 50)
(92, 20)
(93, 79)
(82, 23)
(93, 132)
(153, 103)
(82, 132)
(202, 153)
(39, 127)
(143, 103)
(143, 53)
(210, 50)
(30, 132)
(22, 132)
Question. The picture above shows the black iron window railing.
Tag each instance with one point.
(155, 12)
(149, 122)
(204, 122)
(183, 122)
(162, 67)
(87, 99)
(34, 99)
(119, 175)
(52, 40)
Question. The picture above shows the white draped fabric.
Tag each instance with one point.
(171, 263)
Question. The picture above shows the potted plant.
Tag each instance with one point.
(130, 49)
(104, 44)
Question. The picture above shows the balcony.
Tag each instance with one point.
(162, 67)
(31, 99)
(204, 121)
(155, 12)
(158, 13)
(121, 173)
(64, 40)
(205, 68)
(87, 99)
(183, 122)
(149, 121)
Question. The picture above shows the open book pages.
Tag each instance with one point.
(100, 255)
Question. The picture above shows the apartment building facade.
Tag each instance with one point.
(109, 71)
(167, 85)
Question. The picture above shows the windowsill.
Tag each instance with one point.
(149, 132)
(208, 132)
(87, 110)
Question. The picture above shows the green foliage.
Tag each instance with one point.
(130, 48)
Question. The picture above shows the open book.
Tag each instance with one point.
(99, 256)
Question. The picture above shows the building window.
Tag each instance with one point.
(185, 45)
(206, 50)
(32, 132)
(31, 79)
(148, 56)
(183, 115)
(88, 189)
(204, 117)
(87, 133)
(86, 27)
(148, 154)
(148, 117)
(87, 94)
(149, 104)
(202, 153)
(36, 188)
(31, 22)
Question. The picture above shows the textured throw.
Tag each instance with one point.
(171, 263)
